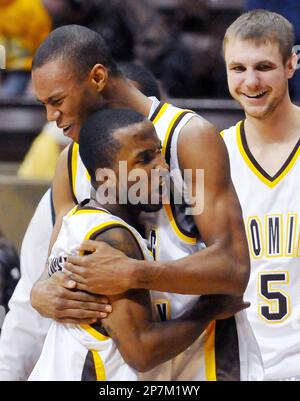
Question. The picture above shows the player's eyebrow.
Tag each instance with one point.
(234, 63)
(51, 98)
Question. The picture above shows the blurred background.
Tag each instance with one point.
(179, 41)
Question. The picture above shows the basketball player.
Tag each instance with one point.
(129, 340)
(24, 329)
(265, 167)
(221, 267)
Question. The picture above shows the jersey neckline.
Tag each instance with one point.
(257, 169)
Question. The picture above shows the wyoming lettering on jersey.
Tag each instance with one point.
(275, 235)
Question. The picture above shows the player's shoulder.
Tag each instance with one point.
(199, 132)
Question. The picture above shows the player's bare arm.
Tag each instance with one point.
(221, 268)
(54, 296)
(62, 196)
(143, 342)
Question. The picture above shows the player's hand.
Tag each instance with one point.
(57, 298)
(225, 306)
(104, 271)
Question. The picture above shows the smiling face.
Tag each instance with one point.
(141, 148)
(257, 77)
(67, 98)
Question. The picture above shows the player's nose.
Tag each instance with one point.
(251, 80)
(52, 113)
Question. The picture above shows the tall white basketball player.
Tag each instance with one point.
(265, 167)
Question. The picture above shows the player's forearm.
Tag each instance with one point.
(214, 270)
(157, 343)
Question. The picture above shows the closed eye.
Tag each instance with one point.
(238, 68)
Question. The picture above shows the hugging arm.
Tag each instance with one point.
(143, 342)
(221, 268)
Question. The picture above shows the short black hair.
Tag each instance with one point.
(97, 145)
(76, 44)
(147, 81)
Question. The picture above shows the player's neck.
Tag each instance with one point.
(121, 94)
(128, 213)
(281, 125)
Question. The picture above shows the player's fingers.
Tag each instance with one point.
(75, 277)
(247, 304)
(76, 260)
(86, 297)
(82, 287)
(89, 306)
(78, 314)
(74, 268)
(62, 279)
(88, 246)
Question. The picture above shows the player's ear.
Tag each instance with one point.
(98, 76)
(291, 65)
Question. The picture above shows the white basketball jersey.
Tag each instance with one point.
(271, 207)
(173, 235)
(73, 352)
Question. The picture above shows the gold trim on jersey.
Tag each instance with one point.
(99, 366)
(209, 353)
(77, 210)
(160, 113)
(271, 183)
(94, 333)
(167, 207)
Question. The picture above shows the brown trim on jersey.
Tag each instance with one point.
(89, 371)
(53, 215)
(168, 158)
(70, 154)
(157, 110)
(255, 162)
(227, 355)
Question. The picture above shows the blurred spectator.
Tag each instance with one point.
(110, 18)
(163, 52)
(290, 9)
(23, 26)
(9, 272)
(141, 78)
(133, 30)
(40, 161)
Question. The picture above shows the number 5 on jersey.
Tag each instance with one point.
(276, 307)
